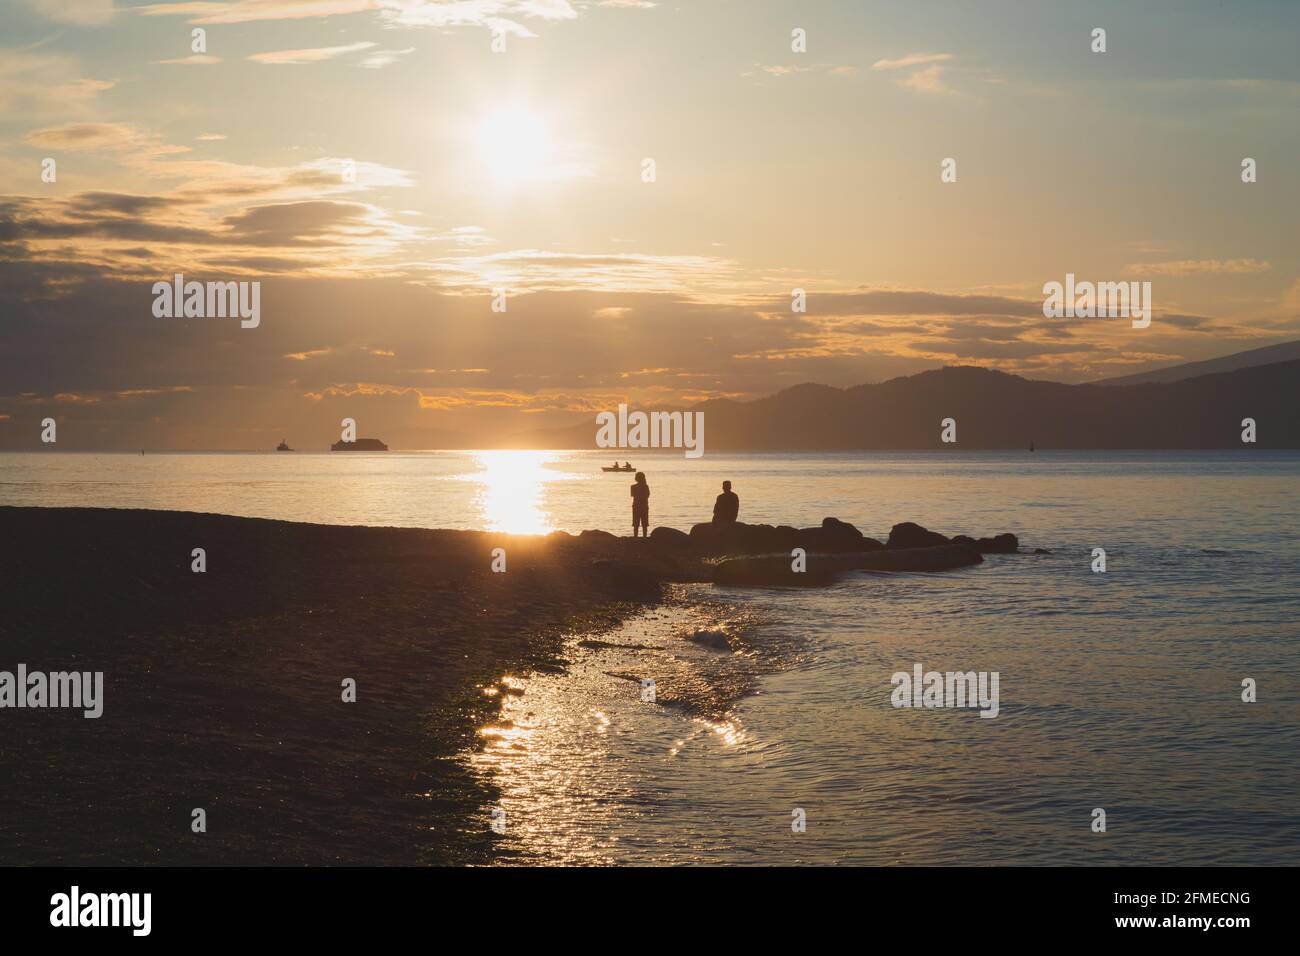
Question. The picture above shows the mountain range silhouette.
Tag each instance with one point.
(995, 410)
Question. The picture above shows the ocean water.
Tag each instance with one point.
(1118, 690)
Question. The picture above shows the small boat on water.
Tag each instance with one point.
(628, 468)
(361, 444)
(283, 446)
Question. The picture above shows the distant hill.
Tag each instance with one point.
(995, 410)
(1282, 352)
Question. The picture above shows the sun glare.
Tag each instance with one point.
(514, 144)
(511, 490)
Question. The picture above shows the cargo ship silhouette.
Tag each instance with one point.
(361, 444)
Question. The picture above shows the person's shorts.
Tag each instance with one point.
(640, 515)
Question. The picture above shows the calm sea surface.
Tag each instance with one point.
(1119, 691)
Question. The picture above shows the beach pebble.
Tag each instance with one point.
(715, 639)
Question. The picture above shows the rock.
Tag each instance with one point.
(632, 577)
(833, 536)
(912, 535)
(671, 539)
(1041, 551)
(714, 639)
(999, 544)
(594, 534)
(1005, 543)
(741, 538)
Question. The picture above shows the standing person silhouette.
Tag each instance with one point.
(640, 505)
(727, 507)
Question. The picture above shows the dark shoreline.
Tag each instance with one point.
(223, 688)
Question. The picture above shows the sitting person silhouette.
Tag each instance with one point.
(640, 505)
(727, 507)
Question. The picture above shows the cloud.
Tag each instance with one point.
(196, 59)
(313, 55)
(89, 136)
(927, 80)
(536, 270)
(912, 59)
(1190, 267)
(245, 11)
(382, 58)
(39, 83)
(84, 13)
(299, 223)
(785, 70)
(494, 14)
(207, 182)
(63, 239)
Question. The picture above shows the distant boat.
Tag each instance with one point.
(361, 444)
(618, 468)
(283, 446)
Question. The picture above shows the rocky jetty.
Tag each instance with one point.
(762, 555)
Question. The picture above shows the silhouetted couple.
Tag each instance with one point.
(725, 509)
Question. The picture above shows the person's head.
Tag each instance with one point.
(726, 486)
(640, 477)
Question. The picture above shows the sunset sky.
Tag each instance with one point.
(522, 170)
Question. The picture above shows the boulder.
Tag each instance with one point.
(712, 638)
(999, 544)
(835, 536)
(1005, 543)
(912, 535)
(671, 539)
(741, 538)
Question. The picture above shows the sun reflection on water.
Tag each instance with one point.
(511, 490)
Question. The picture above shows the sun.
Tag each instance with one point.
(514, 145)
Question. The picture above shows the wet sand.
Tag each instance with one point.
(223, 689)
